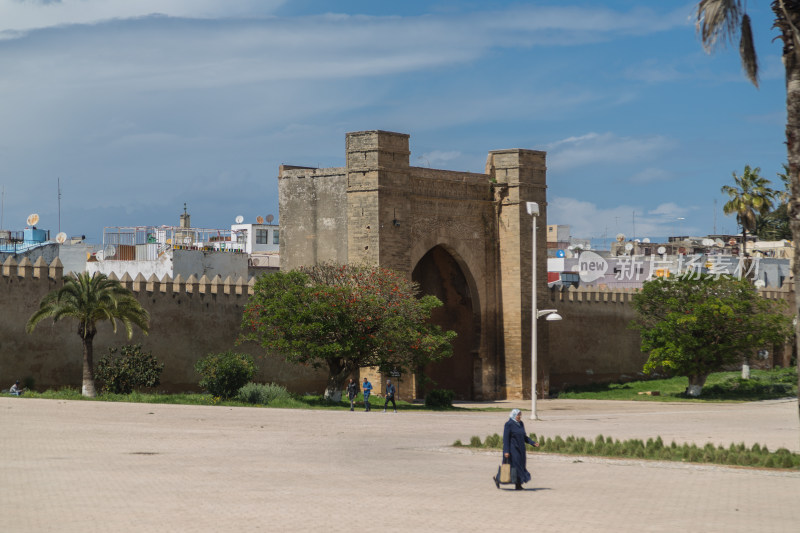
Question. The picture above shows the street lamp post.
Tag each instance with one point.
(533, 210)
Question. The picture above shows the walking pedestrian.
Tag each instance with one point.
(390, 390)
(366, 387)
(352, 392)
(514, 439)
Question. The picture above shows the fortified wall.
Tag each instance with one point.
(191, 318)
(188, 319)
(593, 343)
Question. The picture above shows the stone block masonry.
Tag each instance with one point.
(189, 318)
(465, 237)
(593, 343)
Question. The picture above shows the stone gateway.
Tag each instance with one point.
(464, 237)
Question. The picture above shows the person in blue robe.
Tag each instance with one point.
(514, 439)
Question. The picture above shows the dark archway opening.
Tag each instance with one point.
(439, 274)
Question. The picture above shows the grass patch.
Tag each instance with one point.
(286, 401)
(720, 386)
(653, 449)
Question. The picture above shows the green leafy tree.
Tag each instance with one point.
(695, 325)
(751, 197)
(345, 317)
(719, 21)
(90, 300)
(223, 374)
(125, 369)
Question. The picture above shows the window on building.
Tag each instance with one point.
(261, 236)
(275, 237)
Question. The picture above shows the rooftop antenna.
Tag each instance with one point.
(715, 216)
(634, 226)
(2, 206)
(59, 205)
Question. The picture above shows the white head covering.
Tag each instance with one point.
(514, 413)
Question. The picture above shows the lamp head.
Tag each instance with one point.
(533, 208)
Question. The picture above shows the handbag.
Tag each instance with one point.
(505, 472)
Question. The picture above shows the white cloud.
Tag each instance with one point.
(650, 175)
(604, 148)
(587, 220)
(654, 71)
(23, 15)
(669, 211)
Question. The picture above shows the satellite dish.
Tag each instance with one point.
(260, 219)
(646, 239)
(33, 218)
(61, 238)
(708, 242)
(759, 284)
(270, 218)
(109, 251)
(628, 247)
(620, 237)
(636, 240)
(99, 255)
(239, 219)
(662, 250)
(719, 242)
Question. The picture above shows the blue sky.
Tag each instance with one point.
(141, 106)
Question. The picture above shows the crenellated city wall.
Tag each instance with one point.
(188, 319)
(193, 317)
(593, 343)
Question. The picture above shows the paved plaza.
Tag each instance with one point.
(117, 467)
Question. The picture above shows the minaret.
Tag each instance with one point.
(185, 218)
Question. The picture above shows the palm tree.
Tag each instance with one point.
(724, 19)
(774, 226)
(89, 300)
(751, 197)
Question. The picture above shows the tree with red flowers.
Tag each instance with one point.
(345, 317)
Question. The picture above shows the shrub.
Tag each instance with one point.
(737, 454)
(262, 393)
(131, 369)
(225, 373)
(439, 398)
(494, 441)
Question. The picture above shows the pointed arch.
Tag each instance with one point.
(442, 273)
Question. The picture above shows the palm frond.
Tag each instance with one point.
(89, 300)
(747, 51)
(717, 21)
